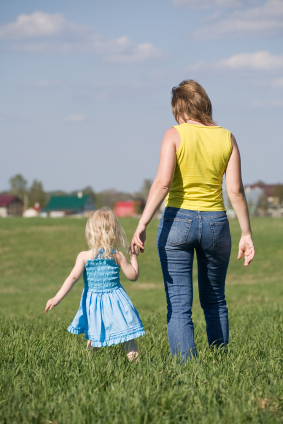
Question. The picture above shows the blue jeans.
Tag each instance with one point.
(181, 232)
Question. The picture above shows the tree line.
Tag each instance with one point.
(35, 193)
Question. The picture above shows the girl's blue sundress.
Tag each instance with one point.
(106, 315)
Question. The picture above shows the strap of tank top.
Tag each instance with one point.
(100, 253)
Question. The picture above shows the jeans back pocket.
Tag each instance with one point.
(221, 234)
(175, 231)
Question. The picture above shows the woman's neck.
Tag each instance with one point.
(190, 121)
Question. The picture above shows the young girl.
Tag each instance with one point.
(106, 315)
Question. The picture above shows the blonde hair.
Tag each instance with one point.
(103, 231)
(190, 101)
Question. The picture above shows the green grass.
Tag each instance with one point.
(47, 375)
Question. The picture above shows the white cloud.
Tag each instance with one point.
(76, 118)
(264, 20)
(214, 4)
(106, 91)
(278, 83)
(47, 83)
(259, 61)
(267, 103)
(123, 50)
(38, 25)
(120, 50)
(51, 33)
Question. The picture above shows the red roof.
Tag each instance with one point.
(268, 188)
(6, 199)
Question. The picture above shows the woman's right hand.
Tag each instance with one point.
(139, 238)
(246, 246)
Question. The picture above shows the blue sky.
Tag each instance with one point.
(86, 85)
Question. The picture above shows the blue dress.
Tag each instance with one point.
(106, 315)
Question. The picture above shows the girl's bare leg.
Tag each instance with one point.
(131, 349)
(88, 346)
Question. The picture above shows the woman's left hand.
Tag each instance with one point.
(139, 238)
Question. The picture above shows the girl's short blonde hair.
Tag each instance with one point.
(190, 101)
(103, 231)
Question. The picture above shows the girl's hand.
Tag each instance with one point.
(131, 270)
(70, 281)
(51, 303)
(246, 246)
(136, 251)
(139, 238)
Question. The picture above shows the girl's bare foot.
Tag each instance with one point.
(88, 346)
(131, 349)
(133, 355)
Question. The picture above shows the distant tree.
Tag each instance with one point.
(56, 193)
(145, 189)
(110, 197)
(278, 192)
(228, 203)
(139, 205)
(260, 183)
(98, 201)
(18, 186)
(251, 205)
(36, 194)
(262, 202)
(86, 191)
(107, 198)
(89, 191)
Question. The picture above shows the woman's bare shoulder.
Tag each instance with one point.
(171, 137)
(234, 142)
(172, 132)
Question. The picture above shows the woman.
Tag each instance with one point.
(194, 156)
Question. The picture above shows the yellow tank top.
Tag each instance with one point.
(201, 161)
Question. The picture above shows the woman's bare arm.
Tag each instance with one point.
(161, 185)
(236, 193)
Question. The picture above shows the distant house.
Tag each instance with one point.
(126, 208)
(268, 189)
(59, 206)
(10, 205)
(32, 212)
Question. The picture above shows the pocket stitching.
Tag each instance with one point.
(212, 224)
(185, 235)
(177, 219)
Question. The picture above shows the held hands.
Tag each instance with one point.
(136, 251)
(246, 246)
(139, 238)
(51, 303)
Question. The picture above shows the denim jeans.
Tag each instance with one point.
(181, 232)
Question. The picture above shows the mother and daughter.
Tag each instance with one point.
(194, 156)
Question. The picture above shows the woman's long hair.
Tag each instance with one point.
(190, 101)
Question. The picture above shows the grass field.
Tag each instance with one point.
(48, 377)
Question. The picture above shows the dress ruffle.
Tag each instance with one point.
(107, 318)
(106, 314)
(112, 341)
